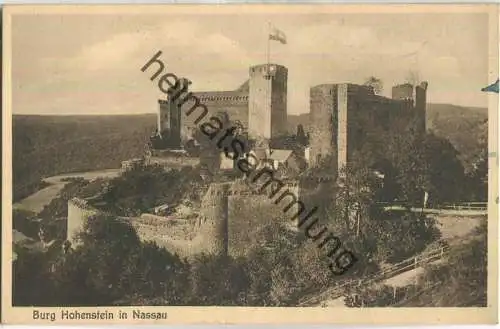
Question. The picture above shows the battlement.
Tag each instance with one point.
(331, 88)
(228, 96)
(216, 97)
(268, 70)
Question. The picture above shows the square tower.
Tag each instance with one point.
(323, 106)
(169, 120)
(267, 111)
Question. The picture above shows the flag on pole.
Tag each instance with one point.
(493, 87)
(277, 35)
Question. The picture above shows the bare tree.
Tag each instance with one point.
(375, 83)
(413, 77)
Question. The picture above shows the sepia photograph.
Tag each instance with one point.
(193, 164)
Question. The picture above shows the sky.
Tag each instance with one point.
(90, 64)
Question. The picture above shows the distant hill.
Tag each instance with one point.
(49, 145)
(465, 127)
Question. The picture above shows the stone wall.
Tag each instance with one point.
(346, 116)
(230, 216)
(234, 103)
(260, 105)
(323, 101)
(214, 218)
(172, 159)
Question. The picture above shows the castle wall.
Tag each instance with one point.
(323, 105)
(279, 115)
(249, 213)
(230, 219)
(373, 120)
(347, 117)
(169, 118)
(402, 92)
(343, 116)
(170, 159)
(420, 106)
(259, 105)
(234, 103)
(214, 219)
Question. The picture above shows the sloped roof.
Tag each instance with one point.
(244, 87)
(280, 155)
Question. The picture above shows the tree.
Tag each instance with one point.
(31, 279)
(375, 83)
(112, 266)
(218, 280)
(446, 174)
(301, 137)
(24, 221)
(412, 77)
(477, 178)
(142, 188)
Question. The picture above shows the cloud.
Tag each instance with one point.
(103, 73)
(181, 42)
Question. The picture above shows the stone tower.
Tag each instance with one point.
(416, 96)
(267, 108)
(169, 122)
(170, 115)
(421, 105)
(214, 218)
(323, 105)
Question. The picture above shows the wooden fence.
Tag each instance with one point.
(389, 272)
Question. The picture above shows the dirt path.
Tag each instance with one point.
(38, 200)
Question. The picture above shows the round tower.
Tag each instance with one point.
(214, 218)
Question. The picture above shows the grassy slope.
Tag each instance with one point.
(461, 281)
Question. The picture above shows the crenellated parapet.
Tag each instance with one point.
(213, 98)
(216, 97)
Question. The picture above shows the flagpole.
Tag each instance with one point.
(268, 43)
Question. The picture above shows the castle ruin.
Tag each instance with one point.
(346, 116)
(219, 228)
(259, 105)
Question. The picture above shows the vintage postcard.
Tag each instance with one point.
(248, 164)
